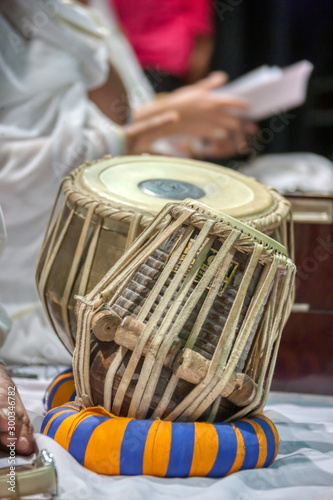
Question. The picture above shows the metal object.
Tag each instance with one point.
(300, 308)
(171, 189)
(36, 477)
(312, 210)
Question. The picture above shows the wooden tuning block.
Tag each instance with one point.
(104, 325)
(128, 334)
(193, 367)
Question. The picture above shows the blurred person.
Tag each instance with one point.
(202, 112)
(10, 402)
(54, 67)
(52, 55)
(173, 40)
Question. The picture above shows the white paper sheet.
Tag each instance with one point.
(270, 90)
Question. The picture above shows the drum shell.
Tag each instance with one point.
(256, 285)
(69, 265)
(130, 303)
(311, 371)
(104, 245)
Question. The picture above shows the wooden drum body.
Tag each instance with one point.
(187, 324)
(309, 330)
(109, 202)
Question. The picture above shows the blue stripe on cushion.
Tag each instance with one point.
(49, 415)
(56, 387)
(227, 450)
(82, 434)
(271, 446)
(251, 443)
(54, 426)
(133, 447)
(181, 452)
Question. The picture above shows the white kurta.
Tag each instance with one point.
(51, 54)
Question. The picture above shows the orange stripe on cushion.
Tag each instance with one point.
(107, 456)
(262, 442)
(157, 449)
(240, 451)
(206, 443)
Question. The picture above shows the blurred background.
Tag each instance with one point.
(103, 104)
(249, 34)
(238, 36)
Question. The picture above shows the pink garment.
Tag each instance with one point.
(162, 32)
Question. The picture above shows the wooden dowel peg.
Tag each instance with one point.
(104, 325)
(128, 334)
(193, 367)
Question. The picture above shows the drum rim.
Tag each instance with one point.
(222, 219)
(80, 195)
(258, 190)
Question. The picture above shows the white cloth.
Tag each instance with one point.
(302, 470)
(289, 172)
(5, 322)
(51, 54)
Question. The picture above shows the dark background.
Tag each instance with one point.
(250, 33)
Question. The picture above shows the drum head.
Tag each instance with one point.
(146, 183)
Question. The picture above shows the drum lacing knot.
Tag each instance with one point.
(83, 401)
(85, 301)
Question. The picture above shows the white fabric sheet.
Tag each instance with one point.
(289, 172)
(303, 469)
(52, 53)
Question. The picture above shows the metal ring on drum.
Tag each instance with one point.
(108, 203)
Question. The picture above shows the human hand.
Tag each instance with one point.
(202, 112)
(141, 136)
(22, 429)
(225, 144)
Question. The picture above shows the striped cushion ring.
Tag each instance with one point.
(60, 391)
(112, 445)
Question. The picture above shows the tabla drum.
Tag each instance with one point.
(187, 324)
(109, 202)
